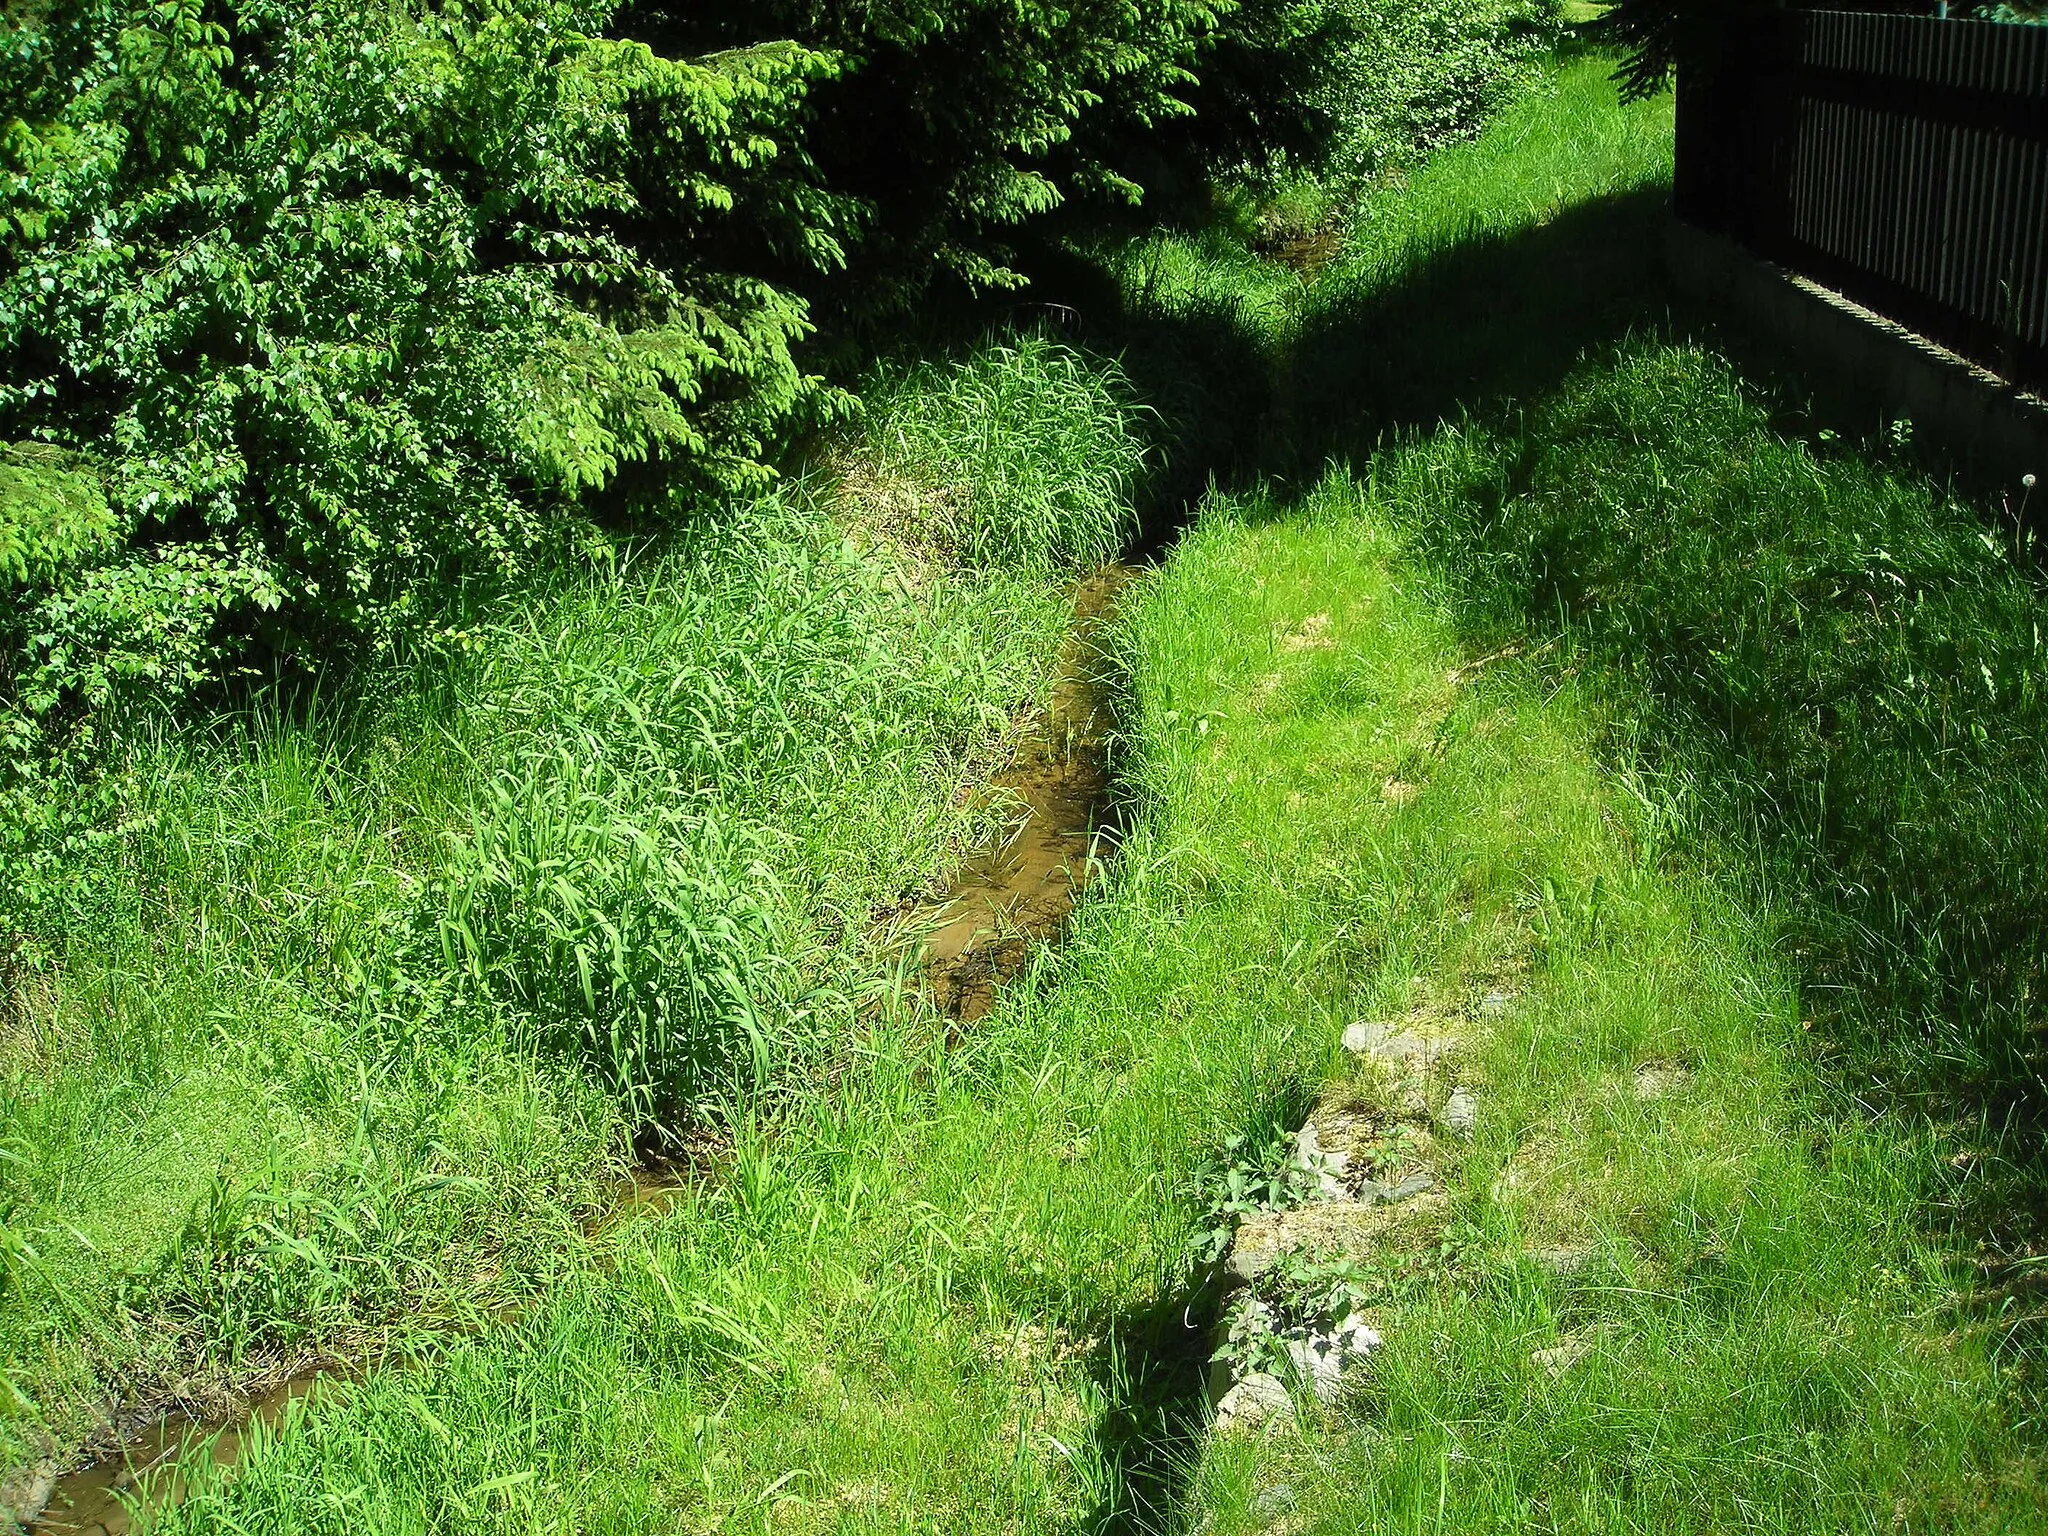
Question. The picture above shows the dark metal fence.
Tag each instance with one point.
(1902, 160)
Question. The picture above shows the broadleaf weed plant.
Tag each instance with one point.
(1250, 1174)
(1299, 1290)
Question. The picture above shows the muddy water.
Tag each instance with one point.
(1008, 899)
(102, 1500)
(1003, 903)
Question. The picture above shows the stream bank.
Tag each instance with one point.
(1013, 897)
(1004, 902)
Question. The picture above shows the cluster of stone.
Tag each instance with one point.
(1361, 1206)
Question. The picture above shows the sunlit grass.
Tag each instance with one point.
(376, 989)
(1752, 1317)
(1513, 697)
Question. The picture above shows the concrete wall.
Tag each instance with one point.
(1878, 371)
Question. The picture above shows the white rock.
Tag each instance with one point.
(1272, 1503)
(1256, 1401)
(1561, 1357)
(1460, 1113)
(1567, 1262)
(1494, 1004)
(25, 1493)
(1393, 1194)
(1330, 1181)
(1328, 1167)
(1358, 1038)
(1318, 1362)
(1323, 1357)
(1359, 1337)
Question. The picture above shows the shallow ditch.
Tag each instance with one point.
(1005, 902)
(105, 1499)
(1010, 899)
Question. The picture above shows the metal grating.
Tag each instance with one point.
(1900, 159)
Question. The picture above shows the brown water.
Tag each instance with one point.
(1008, 899)
(101, 1500)
(1004, 902)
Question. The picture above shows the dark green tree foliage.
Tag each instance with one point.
(1273, 84)
(952, 121)
(312, 317)
(351, 304)
(1656, 36)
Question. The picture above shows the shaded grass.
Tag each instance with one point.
(1465, 714)
(1832, 653)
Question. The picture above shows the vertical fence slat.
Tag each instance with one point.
(1902, 159)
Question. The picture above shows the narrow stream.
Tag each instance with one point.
(102, 1500)
(1003, 903)
(1012, 898)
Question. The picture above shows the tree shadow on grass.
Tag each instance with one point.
(1468, 328)
(1911, 838)
(1151, 1367)
(1817, 640)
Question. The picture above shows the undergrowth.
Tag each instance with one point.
(1521, 649)
(360, 1012)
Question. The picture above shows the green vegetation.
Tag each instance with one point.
(1528, 670)
(378, 990)
(1739, 802)
(329, 331)
(1738, 1335)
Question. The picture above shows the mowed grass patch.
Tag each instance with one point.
(1678, 1284)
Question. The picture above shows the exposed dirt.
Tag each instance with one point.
(1009, 899)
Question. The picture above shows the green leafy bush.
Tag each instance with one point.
(52, 513)
(1354, 88)
(358, 309)
(1415, 77)
(354, 311)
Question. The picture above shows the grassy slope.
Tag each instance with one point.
(948, 1290)
(1754, 1333)
(1632, 823)
(252, 1115)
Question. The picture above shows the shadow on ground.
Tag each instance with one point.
(1906, 839)
(1151, 1368)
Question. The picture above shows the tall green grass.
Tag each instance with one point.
(1752, 1320)
(1514, 697)
(1021, 457)
(356, 1021)
(954, 1290)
